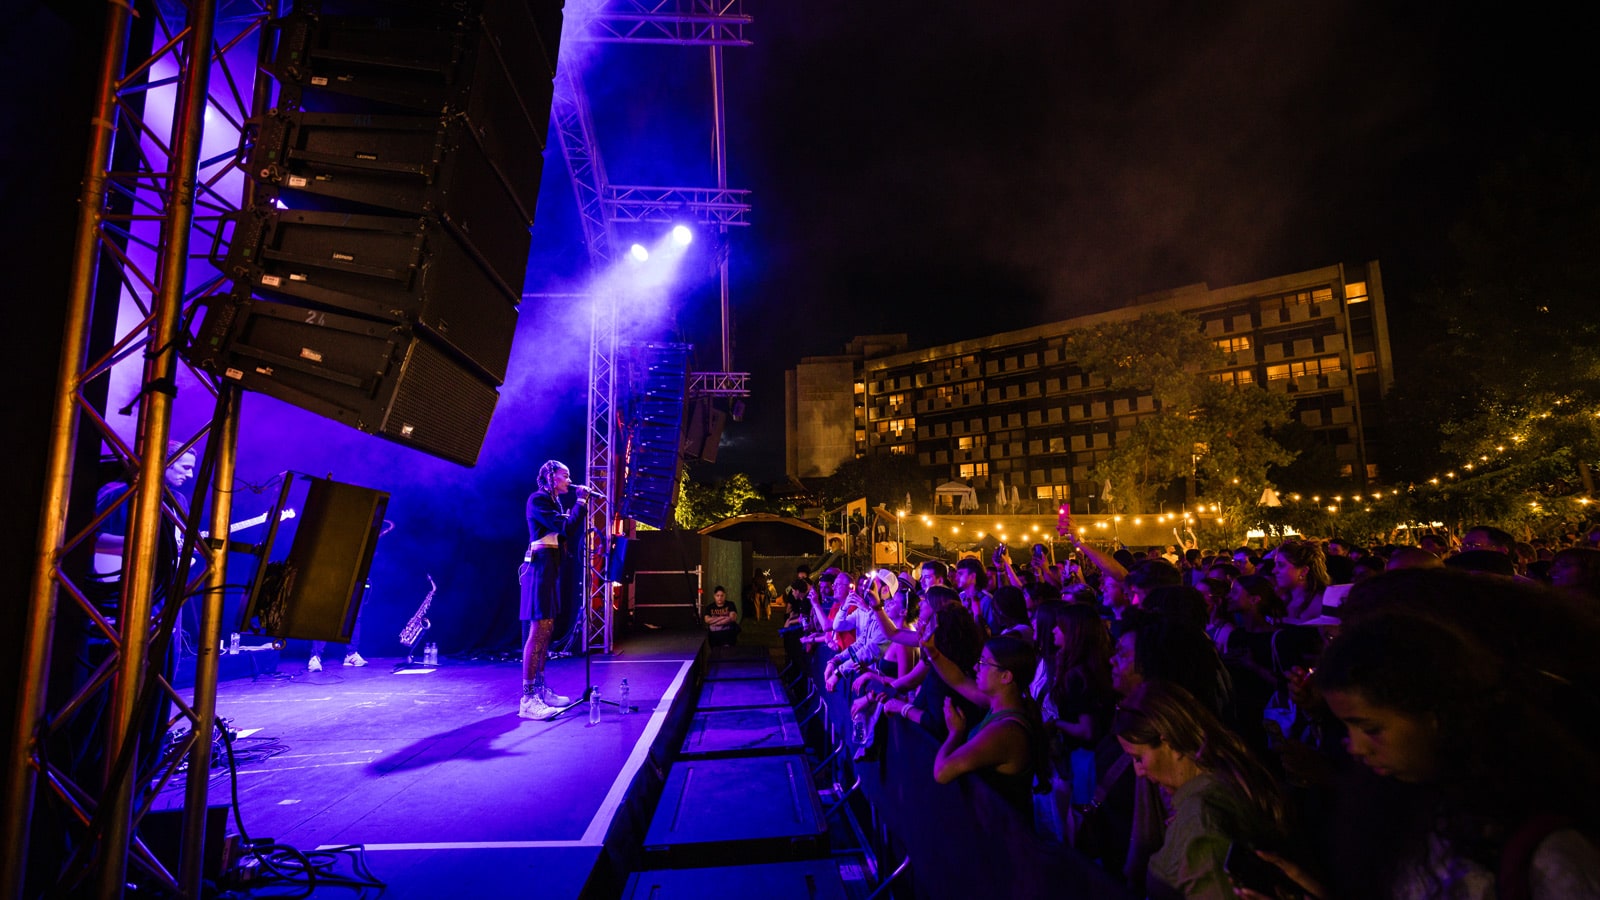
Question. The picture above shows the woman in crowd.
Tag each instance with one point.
(1301, 574)
(916, 696)
(1079, 697)
(1008, 744)
(1220, 794)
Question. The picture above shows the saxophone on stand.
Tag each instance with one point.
(419, 624)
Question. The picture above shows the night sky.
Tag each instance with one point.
(954, 170)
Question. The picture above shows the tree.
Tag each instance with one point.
(881, 479)
(1506, 416)
(707, 503)
(1215, 436)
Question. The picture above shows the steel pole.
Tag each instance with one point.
(225, 438)
(155, 421)
(41, 613)
(719, 143)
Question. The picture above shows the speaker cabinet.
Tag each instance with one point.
(659, 380)
(315, 594)
(383, 379)
(392, 268)
(421, 165)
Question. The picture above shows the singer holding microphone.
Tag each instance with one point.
(540, 577)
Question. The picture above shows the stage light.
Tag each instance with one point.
(681, 235)
(638, 253)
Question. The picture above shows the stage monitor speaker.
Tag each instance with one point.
(315, 594)
(658, 382)
(397, 269)
(381, 378)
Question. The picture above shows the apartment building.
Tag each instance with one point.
(1014, 406)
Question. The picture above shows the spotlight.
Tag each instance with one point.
(638, 253)
(681, 235)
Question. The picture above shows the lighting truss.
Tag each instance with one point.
(682, 22)
(719, 384)
(722, 207)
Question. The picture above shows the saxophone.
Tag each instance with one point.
(419, 622)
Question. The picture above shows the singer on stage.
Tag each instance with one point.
(540, 576)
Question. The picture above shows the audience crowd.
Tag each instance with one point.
(1316, 719)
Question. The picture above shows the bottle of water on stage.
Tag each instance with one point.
(594, 707)
(623, 698)
(430, 654)
(233, 643)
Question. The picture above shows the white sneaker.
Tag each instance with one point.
(533, 707)
(551, 698)
(314, 664)
(354, 659)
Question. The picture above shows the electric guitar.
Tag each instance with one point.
(109, 565)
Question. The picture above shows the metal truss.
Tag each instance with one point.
(707, 206)
(574, 129)
(682, 22)
(601, 205)
(146, 194)
(719, 384)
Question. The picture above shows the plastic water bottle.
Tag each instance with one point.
(430, 654)
(623, 698)
(858, 730)
(594, 707)
(233, 644)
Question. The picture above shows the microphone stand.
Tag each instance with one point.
(583, 618)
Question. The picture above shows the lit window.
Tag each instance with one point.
(1355, 292)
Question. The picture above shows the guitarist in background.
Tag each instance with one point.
(540, 578)
(86, 647)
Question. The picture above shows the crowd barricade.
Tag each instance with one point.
(963, 839)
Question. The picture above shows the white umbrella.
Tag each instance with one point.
(1000, 493)
(1269, 497)
(1016, 498)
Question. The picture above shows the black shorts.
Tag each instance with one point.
(541, 584)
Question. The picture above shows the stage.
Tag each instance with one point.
(450, 792)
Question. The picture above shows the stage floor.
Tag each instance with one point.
(450, 792)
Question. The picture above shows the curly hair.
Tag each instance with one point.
(1308, 555)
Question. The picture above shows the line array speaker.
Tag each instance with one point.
(658, 383)
(377, 279)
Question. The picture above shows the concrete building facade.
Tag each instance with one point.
(1013, 406)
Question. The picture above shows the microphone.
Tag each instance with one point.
(582, 487)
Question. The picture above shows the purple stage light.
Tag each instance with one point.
(638, 253)
(681, 235)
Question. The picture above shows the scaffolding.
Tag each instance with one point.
(148, 201)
